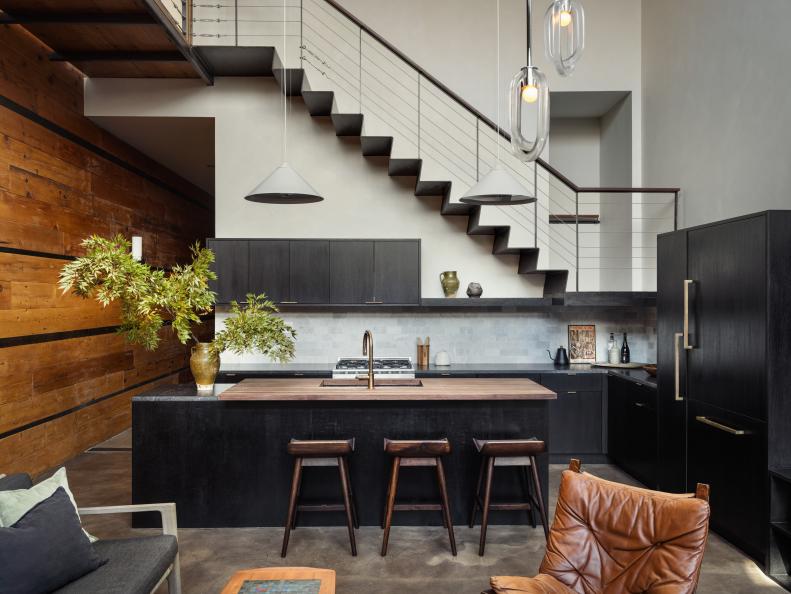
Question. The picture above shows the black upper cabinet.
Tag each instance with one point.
(270, 270)
(727, 263)
(351, 272)
(397, 271)
(318, 271)
(231, 265)
(310, 271)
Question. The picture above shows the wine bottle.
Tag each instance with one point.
(625, 350)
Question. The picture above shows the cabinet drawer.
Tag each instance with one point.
(569, 382)
(728, 452)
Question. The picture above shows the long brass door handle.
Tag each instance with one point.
(720, 426)
(677, 359)
(687, 284)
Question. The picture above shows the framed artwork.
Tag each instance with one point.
(582, 343)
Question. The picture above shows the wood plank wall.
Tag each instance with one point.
(66, 378)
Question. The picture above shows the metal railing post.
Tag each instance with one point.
(535, 206)
(301, 41)
(418, 115)
(577, 223)
(477, 149)
(236, 22)
(360, 70)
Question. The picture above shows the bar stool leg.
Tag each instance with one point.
(477, 493)
(351, 495)
(391, 495)
(487, 497)
(296, 511)
(347, 503)
(540, 496)
(292, 503)
(443, 490)
(526, 482)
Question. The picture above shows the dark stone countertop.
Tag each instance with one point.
(181, 392)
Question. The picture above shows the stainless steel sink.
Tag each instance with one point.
(363, 383)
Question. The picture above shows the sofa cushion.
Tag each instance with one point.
(134, 566)
(45, 549)
(541, 584)
(17, 502)
(11, 482)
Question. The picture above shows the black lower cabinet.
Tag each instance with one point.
(632, 428)
(727, 451)
(576, 417)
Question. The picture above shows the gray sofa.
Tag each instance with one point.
(135, 565)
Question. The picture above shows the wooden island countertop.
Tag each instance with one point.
(279, 390)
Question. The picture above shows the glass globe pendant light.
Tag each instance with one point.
(498, 187)
(529, 87)
(564, 34)
(284, 185)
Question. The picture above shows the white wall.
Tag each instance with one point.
(717, 121)
(361, 200)
(455, 41)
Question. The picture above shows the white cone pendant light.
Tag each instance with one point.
(498, 187)
(284, 185)
(529, 87)
(564, 34)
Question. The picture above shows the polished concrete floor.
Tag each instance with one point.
(418, 559)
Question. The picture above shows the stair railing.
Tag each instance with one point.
(585, 230)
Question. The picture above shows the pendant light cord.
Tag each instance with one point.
(285, 83)
(498, 83)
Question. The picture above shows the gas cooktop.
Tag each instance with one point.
(392, 367)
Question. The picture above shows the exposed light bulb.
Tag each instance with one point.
(565, 18)
(529, 93)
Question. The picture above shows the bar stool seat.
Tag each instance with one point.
(518, 453)
(321, 453)
(413, 452)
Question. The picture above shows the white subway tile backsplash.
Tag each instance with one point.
(468, 337)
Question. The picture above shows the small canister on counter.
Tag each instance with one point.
(423, 352)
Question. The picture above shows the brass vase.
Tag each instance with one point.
(450, 283)
(204, 364)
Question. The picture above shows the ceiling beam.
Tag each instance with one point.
(117, 56)
(76, 18)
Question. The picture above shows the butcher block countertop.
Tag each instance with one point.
(431, 389)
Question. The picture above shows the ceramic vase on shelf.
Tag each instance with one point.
(450, 283)
(474, 290)
(204, 364)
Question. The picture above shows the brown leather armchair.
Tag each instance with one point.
(609, 538)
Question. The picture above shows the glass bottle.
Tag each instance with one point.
(625, 350)
(613, 356)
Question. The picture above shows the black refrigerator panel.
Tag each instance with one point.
(671, 360)
(728, 453)
(727, 315)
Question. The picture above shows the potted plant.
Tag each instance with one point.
(151, 298)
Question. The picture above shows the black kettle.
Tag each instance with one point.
(561, 358)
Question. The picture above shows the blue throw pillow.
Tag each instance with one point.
(45, 549)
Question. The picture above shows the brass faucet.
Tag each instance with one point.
(368, 349)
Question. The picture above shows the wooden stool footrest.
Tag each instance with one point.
(320, 507)
(417, 507)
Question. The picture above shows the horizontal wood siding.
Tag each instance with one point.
(66, 378)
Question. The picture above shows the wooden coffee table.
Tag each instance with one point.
(326, 577)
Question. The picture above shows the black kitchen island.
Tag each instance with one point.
(224, 462)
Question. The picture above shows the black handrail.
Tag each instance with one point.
(574, 187)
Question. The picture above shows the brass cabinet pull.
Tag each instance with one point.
(571, 392)
(373, 302)
(289, 302)
(677, 358)
(640, 404)
(720, 426)
(687, 284)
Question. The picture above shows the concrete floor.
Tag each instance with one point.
(418, 559)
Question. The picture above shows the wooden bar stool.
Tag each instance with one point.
(321, 453)
(519, 453)
(417, 453)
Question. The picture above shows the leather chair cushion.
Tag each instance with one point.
(541, 584)
(609, 538)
